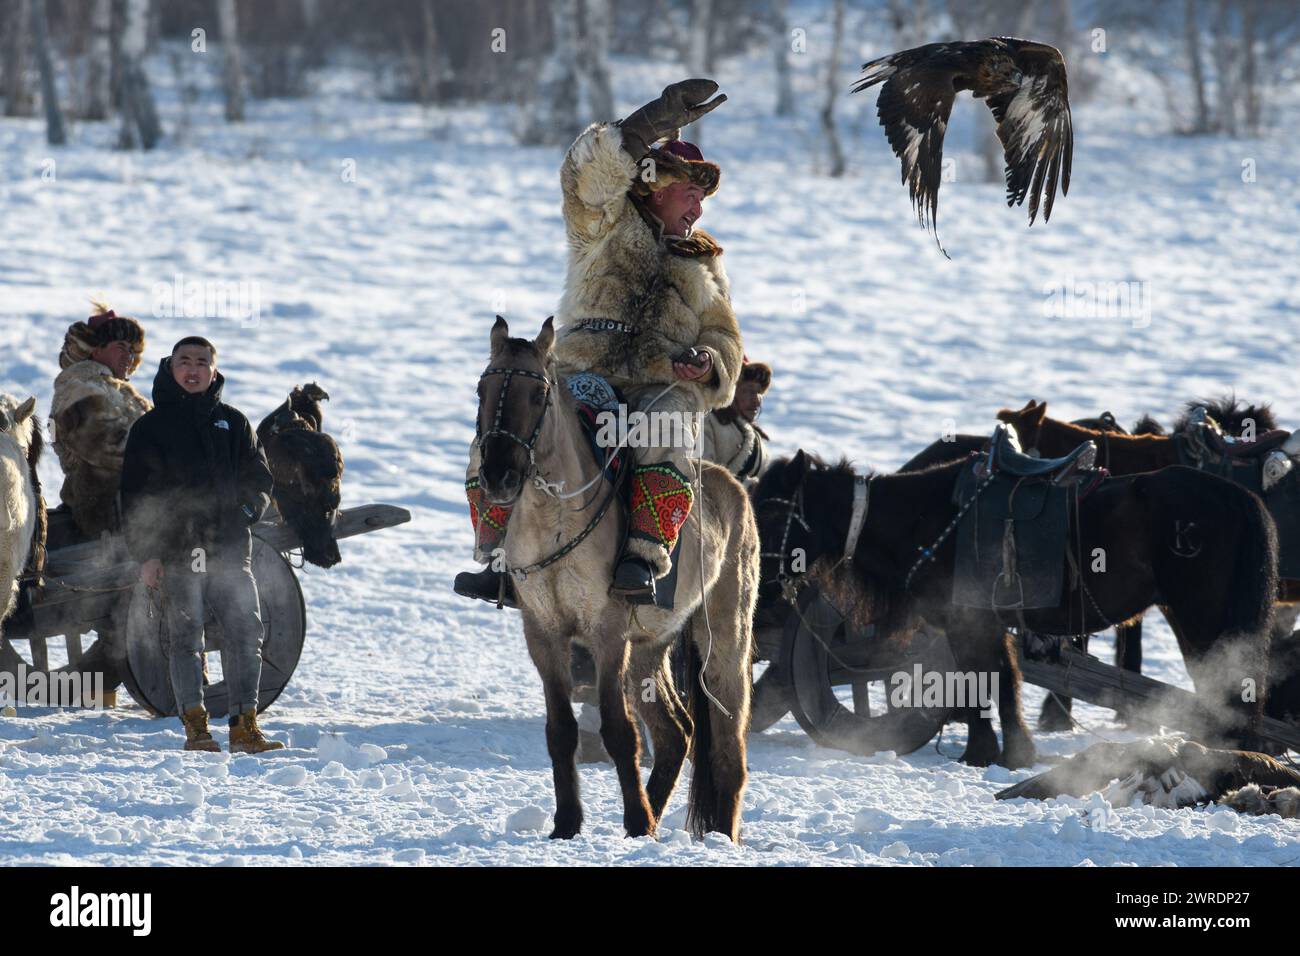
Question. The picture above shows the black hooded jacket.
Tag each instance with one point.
(193, 476)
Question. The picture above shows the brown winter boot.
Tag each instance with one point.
(196, 730)
(247, 738)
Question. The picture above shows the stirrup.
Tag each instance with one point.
(634, 580)
(486, 585)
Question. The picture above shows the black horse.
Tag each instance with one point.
(1057, 710)
(1221, 595)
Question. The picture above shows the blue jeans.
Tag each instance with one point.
(231, 592)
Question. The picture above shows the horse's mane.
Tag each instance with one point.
(1147, 425)
(1230, 413)
(862, 595)
(37, 445)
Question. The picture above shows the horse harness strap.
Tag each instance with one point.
(529, 444)
(522, 572)
(928, 554)
(861, 502)
(496, 430)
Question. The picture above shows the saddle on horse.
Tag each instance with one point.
(650, 500)
(1015, 517)
(1260, 466)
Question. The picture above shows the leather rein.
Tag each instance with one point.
(530, 445)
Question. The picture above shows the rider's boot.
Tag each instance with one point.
(489, 523)
(634, 580)
(486, 585)
(660, 500)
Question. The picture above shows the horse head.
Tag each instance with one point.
(789, 542)
(17, 420)
(514, 393)
(1027, 421)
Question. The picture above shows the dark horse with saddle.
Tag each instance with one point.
(978, 561)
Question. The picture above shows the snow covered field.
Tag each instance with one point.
(415, 719)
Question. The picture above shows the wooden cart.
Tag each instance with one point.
(92, 588)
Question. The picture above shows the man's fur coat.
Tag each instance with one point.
(91, 415)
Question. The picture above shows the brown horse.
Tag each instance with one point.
(1118, 454)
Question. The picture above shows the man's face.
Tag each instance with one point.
(193, 368)
(678, 206)
(748, 401)
(116, 355)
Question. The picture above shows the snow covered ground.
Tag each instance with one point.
(415, 719)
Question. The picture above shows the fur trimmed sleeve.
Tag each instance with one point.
(720, 336)
(595, 178)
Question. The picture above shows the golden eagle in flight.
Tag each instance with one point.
(1024, 85)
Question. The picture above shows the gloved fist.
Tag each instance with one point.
(688, 97)
(678, 105)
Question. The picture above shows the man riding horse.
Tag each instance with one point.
(646, 309)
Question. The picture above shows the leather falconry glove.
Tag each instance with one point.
(678, 105)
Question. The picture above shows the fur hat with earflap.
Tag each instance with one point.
(678, 161)
(82, 338)
(760, 373)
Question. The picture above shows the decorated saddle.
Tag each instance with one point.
(1015, 521)
(1265, 465)
(594, 395)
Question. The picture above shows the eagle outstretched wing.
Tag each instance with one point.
(1025, 85)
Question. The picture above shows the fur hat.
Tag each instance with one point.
(757, 372)
(678, 161)
(82, 338)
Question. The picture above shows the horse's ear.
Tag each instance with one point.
(25, 410)
(1038, 412)
(794, 475)
(546, 338)
(500, 332)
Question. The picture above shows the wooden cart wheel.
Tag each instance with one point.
(823, 654)
(284, 627)
(38, 656)
(771, 700)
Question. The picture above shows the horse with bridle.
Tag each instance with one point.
(895, 534)
(559, 553)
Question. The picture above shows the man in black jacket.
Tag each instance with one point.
(194, 481)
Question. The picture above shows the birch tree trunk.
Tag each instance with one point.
(139, 115)
(1192, 40)
(1249, 66)
(430, 71)
(18, 31)
(593, 59)
(232, 72)
(552, 118)
(54, 134)
(1224, 70)
(698, 59)
(781, 53)
(99, 61)
(832, 90)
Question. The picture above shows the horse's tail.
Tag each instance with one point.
(1251, 578)
(702, 811)
(1253, 593)
(1254, 573)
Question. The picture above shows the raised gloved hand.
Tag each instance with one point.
(678, 105)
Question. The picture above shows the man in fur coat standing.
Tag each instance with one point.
(646, 308)
(94, 407)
